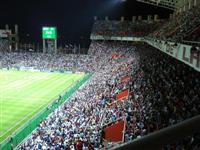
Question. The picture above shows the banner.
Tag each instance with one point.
(189, 55)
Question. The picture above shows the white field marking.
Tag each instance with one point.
(19, 84)
(14, 99)
(61, 105)
(32, 112)
(23, 119)
(12, 83)
(41, 90)
(26, 78)
(37, 92)
(25, 81)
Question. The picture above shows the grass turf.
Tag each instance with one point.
(23, 94)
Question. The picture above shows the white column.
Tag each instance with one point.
(44, 46)
(195, 2)
(189, 5)
(184, 5)
(55, 45)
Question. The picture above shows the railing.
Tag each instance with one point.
(194, 43)
(192, 30)
(26, 130)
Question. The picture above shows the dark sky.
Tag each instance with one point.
(73, 18)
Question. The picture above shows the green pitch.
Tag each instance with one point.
(23, 94)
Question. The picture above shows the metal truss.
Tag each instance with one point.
(168, 4)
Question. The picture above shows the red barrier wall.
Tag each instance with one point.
(114, 133)
(123, 95)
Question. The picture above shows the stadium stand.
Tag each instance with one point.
(124, 28)
(81, 115)
(180, 26)
(48, 62)
(135, 89)
(154, 101)
(183, 28)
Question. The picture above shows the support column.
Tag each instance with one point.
(16, 37)
(44, 46)
(195, 2)
(55, 45)
(133, 19)
(189, 5)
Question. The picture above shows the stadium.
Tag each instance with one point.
(137, 86)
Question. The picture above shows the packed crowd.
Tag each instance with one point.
(179, 27)
(48, 62)
(194, 36)
(4, 45)
(123, 28)
(78, 120)
(164, 95)
(160, 95)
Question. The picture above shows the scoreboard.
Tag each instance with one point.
(49, 33)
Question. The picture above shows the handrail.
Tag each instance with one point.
(192, 30)
(191, 42)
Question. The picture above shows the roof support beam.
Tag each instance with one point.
(168, 4)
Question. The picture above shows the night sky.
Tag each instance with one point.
(73, 18)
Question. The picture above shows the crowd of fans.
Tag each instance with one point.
(78, 120)
(176, 29)
(179, 27)
(123, 28)
(194, 36)
(49, 62)
(160, 95)
(166, 94)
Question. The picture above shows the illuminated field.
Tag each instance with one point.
(23, 94)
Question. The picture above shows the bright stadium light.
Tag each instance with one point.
(117, 1)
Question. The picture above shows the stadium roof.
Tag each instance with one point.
(169, 4)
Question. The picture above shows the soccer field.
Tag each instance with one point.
(23, 94)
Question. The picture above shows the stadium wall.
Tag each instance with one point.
(28, 128)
